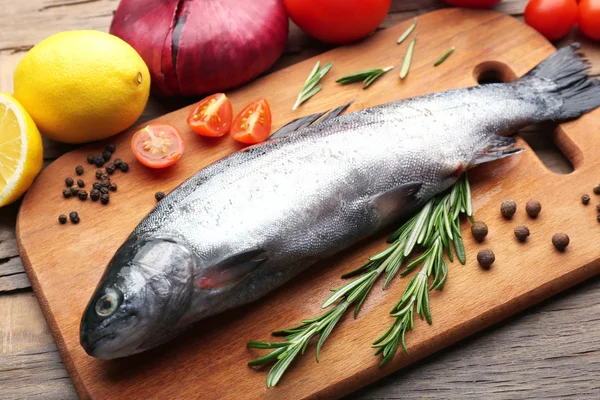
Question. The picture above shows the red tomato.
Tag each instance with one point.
(473, 3)
(253, 124)
(158, 145)
(212, 116)
(552, 18)
(589, 18)
(338, 21)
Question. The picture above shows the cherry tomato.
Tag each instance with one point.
(212, 116)
(158, 145)
(589, 18)
(473, 3)
(338, 21)
(253, 124)
(552, 18)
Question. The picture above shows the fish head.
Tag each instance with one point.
(144, 292)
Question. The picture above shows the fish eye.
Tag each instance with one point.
(107, 304)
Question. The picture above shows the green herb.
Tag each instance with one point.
(367, 76)
(408, 31)
(312, 85)
(443, 57)
(407, 58)
(434, 229)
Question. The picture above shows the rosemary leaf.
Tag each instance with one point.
(311, 85)
(367, 76)
(408, 31)
(407, 59)
(443, 57)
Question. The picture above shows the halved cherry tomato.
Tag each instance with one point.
(253, 124)
(158, 145)
(212, 116)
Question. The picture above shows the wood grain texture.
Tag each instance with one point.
(492, 295)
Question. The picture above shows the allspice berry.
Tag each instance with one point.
(585, 199)
(508, 208)
(479, 230)
(522, 233)
(486, 258)
(560, 241)
(533, 208)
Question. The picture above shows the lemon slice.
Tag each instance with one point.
(21, 151)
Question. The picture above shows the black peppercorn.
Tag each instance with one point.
(597, 189)
(79, 170)
(105, 183)
(98, 161)
(117, 162)
(104, 177)
(106, 155)
(80, 183)
(82, 195)
(74, 190)
(90, 158)
(74, 217)
(66, 193)
(508, 208)
(560, 241)
(95, 195)
(113, 187)
(99, 174)
(104, 190)
(97, 185)
(522, 233)
(479, 230)
(124, 167)
(69, 181)
(159, 196)
(486, 258)
(598, 217)
(598, 208)
(111, 147)
(585, 199)
(110, 168)
(104, 198)
(533, 208)
(62, 218)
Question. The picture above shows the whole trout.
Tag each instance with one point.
(248, 223)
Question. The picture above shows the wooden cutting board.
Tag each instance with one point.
(64, 263)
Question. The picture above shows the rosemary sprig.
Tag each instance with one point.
(443, 57)
(367, 76)
(438, 233)
(312, 85)
(407, 58)
(432, 229)
(408, 31)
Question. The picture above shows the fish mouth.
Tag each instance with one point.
(91, 341)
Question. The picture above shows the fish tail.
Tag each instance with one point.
(574, 90)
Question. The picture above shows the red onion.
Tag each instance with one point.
(203, 46)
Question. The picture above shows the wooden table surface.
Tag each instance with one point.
(551, 350)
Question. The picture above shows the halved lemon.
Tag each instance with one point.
(21, 151)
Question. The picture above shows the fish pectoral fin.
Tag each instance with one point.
(395, 200)
(303, 122)
(231, 270)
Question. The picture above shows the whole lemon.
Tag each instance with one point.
(80, 86)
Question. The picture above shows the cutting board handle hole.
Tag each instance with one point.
(553, 147)
(493, 72)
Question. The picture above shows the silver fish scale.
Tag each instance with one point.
(309, 194)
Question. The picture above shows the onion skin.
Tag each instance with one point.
(195, 47)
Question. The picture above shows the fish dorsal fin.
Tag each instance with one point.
(303, 122)
(499, 147)
(231, 270)
(393, 201)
